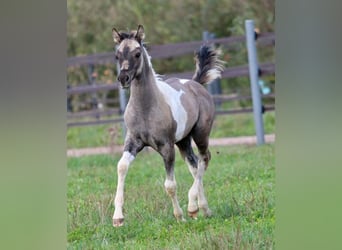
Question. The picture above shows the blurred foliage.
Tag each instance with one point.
(90, 23)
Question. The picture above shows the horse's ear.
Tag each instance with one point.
(116, 36)
(140, 35)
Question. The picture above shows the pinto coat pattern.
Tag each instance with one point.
(163, 113)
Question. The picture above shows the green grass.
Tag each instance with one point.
(92, 136)
(239, 185)
(224, 126)
(240, 125)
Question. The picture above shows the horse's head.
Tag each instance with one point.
(129, 54)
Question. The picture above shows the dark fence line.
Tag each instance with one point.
(114, 101)
(178, 49)
(96, 122)
(116, 111)
(232, 72)
(227, 98)
(170, 50)
(117, 120)
(92, 88)
(94, 113)
(241, 111)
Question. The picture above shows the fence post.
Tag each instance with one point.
(122, 98)
(254, 76)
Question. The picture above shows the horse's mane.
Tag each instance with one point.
(148, 57)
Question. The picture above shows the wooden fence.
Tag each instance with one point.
(161, 52)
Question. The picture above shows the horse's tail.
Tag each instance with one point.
(208, 66)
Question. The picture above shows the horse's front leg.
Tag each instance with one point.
(168, 154)
(130, 151)
(122, 169)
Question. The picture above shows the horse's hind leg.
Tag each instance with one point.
(191, 160)
(202, 142)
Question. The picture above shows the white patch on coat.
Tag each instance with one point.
(173, 99)
(182, 81)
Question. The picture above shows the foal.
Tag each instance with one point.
(161, 114)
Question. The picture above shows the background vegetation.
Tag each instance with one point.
(90, 22)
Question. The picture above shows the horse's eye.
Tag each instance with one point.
(116, 57)
(137, 55)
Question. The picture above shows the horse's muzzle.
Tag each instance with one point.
(125, 80)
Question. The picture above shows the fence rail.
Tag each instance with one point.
(98, 121)
(169, 50)
(118, 120)
(232, 72)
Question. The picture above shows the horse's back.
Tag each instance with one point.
(196, 97)
(189, 86)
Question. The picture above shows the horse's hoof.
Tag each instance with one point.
(180, 220)
(179, 217)
(118, 222)
(193, 214)
(208, 213)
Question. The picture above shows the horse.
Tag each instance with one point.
(163, 113)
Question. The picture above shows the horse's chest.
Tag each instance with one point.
(150, 128)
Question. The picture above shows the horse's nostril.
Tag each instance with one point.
(127, 78)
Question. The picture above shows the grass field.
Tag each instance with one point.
(239, 185)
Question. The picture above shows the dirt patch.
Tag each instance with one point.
(242, 140)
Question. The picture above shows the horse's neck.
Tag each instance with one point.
(144, 91)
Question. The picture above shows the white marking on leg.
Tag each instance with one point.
(193, 192)
(122, 169)
(192, 170)
(202, 201)
(171, 187)
(192, 196)
(173, 99)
